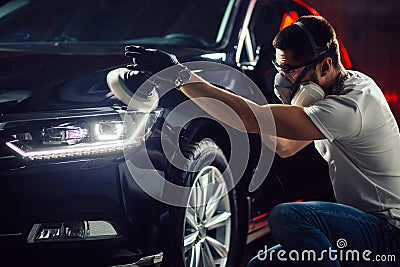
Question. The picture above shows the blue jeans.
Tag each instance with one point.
(329, 234)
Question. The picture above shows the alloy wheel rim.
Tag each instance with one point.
(207, 227)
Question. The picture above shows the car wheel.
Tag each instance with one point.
(206, 231)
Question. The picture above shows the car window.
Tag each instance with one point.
(264, 24)
(266, 21)
(192, 23)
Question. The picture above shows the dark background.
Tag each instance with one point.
(370, 30)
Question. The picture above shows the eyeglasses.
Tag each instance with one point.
(293, 71)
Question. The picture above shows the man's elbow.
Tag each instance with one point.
(287, 148)
(286, 154)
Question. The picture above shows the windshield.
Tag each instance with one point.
(195, 23)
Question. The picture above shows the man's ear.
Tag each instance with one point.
(326, 66)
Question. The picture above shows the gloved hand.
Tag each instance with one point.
(149, 61)
(125, 82)
(133, 88)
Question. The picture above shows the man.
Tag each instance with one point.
(346, 115)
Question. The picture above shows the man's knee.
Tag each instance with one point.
(287, 216)
(279, 215)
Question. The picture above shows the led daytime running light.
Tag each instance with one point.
(68, 152)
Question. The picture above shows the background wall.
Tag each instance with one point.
(370, 29)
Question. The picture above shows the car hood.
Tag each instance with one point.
(44, 81)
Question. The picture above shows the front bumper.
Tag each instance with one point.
(68, 194)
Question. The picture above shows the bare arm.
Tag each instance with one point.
(291, 121)
(286, 147)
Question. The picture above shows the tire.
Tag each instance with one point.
(205, 235)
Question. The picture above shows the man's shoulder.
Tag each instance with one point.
(356, 80)
(356, 88)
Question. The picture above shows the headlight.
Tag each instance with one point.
(66, 135)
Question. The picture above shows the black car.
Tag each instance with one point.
(83, 177)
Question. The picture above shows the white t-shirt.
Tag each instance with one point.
(362, 146)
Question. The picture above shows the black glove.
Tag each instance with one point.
(149, 61)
